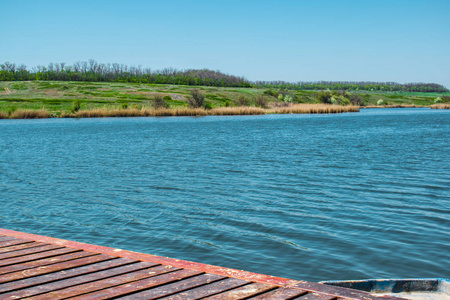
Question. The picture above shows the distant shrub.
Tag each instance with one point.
(261, 101)
(324, 97)
(288, 98)
(207, 106)
(136, 106)
(242, 101)
(159, 102)
(271, 93)
(355, 99)
(124, 105)
(380, 102)
(280, 97)
(196, 99)
(11, 110)
(438, 100)
(334, 101)
(167, 98)
(343, 100)
(76, 106)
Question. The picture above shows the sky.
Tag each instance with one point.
(290, 40)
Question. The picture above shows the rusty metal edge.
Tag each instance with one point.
(239, 274)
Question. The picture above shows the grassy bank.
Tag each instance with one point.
(43, 99)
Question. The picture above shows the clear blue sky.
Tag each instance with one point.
(291, 40)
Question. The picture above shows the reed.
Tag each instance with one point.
(314, 109)
(233, 111)
(30, 114)
(403, 105)
(3, 115)
(134, 112)
(440, 106)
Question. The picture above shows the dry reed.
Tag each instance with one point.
(3, 115)
(403, 105)
(314, 109)
(144, 112)
(440, 106)
(167, 112)
(233, 111)
(30, 114)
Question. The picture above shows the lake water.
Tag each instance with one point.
(312, 197)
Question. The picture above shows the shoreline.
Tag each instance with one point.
(200, 112)
(182, 112)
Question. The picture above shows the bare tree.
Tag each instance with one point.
(159, 102)
(196, 99)
(261, 101)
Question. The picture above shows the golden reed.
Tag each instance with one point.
(30, 114)
(403, 105)
(167, 112)
(314, 109)
(440, 106)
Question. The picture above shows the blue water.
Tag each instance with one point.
(313, 197)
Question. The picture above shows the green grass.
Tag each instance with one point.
(58, 97)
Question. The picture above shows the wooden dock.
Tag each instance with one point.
(39, 267)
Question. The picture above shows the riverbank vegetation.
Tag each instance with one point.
(167, 112)
(441, 106)
(43, 99)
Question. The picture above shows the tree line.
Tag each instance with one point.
(93, 71)
(355, 86)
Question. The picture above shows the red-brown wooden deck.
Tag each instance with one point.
(39, 267)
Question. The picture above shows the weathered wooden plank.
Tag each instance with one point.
(315, 296)
(21, 259)
(13, 242)
(139, 285)
(54, 268)
(337, 291)
(5, 238)
(244, 275)
(175, 287)
(29, 251)
(244, 292)
(55, 280)
(281, 294)
(208, 290)
(21, 247)
(44, 261)
(106, 283)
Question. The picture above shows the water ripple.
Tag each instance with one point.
(321, 197)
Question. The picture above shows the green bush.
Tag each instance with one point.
(167, 98)
(11, 110)
(380, 102)
(76, 106)
(261, 101)
(288, 98)
(242, 101)
(159, 102)
(438, 100)
(324, 97)
(124, 106)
